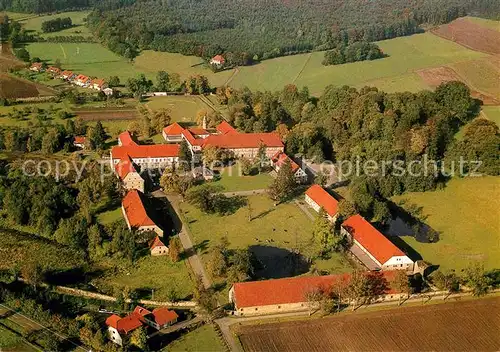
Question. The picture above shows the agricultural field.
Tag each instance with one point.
(203, 338)
(393, 73)
(458, 326)
(91, 59)
(272, 233)
(492, 113)
(483, 22)
(34, 23)
(152, 273)
(182, 108)
(466, 217)
(471, 34)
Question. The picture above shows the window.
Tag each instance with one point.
(279, 307)
(256, 308)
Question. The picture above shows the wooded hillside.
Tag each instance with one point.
(268, 28)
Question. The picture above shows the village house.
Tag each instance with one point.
(318, 198)
(98, 84)
(37, 67)
(55, 71)
(290, 294)
(280, 158)
(158, 248)
(108, 91)
(129, 174)
(372, 248)
(119, 328)
(82, 81)
(218, 60)
(135, 213)
(68, 75)
(79, 142)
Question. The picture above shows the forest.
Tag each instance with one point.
(206, 27)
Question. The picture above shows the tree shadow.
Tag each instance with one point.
(263, 214)
(275, 263)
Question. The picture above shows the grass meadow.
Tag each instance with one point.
(492, 113)
(482, 75)
(182, 108)
(485, 23)
(34, 23)
(465, 214)
(203, 338)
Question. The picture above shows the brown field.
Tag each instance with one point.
(7, 59)
(489, 92)
(453, 326)
(106, 114)
(471, 35)
(13, 87)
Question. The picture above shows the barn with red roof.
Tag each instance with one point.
(157, 247)
(317, 197)
(136, 213)
(372, 248)
(290, 294)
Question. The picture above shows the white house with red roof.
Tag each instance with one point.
(158, 248)
(280, 158)
(37, 67)
(372, 248)
(79, 142)
(67, 75)
(217, 60)
(82, 81)
(136, 214)
(173, 133)
(129, 174)
(290, 294)
(119, 328)
(55, 71)
(98, 84)
(318, 198)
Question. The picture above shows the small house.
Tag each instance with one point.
(280, 158)
(218, 60)
(318, 198)
(55, 71)
(173, 133)
(37, 67)
(82, 81)
(79, 142)
(98, 84)
(68, 75)
(158, 247)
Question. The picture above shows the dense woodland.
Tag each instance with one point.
(359, 51)
(57, 24)
(263, 29)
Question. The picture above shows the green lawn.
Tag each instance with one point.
(153, 61)
(233, 180)
(466, 215)
(492, 113)
(91, 59)
(394, 73)
(182, 108)
(202, 339)
(110, 216)
(9, 340)
(77, 17)
(284, 226)
(158, 273)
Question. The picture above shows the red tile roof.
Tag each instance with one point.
(124, 325)
(173, 130)
(124, 167)
(292, 290)
(198, 131)
(82, 78)
(126, 139)
(67, 73)
(37, 65)
(225, 127)
(145, 151)
(280, 157)
(163, 315)
(371, 239)
(98, 82)
(54, 69)
(243, 140)
(80, 139)
(136, 213)
(157, 243)
(140, 311)
(323, 199)
(219, 58)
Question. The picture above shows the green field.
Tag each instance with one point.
(466, 215)
(232, 180)
(77, 17)
(485, 23)
(158, 273)
(492, 113)
(91, 59)
(182, 108)
(284, 226)
(203, 339)
(394, 73)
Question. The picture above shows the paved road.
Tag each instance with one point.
(185, 237)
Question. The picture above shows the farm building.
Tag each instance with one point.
(129, 174)
(318, 198)
(119, 328)
(280, 158)
(98, 84)
(37, 67)
(79, 142)
(217, 60)
(290, 294)
(135, 213)
(372, 248)
(54, 70)
(241, 144)
(68, 75)
(158, 247)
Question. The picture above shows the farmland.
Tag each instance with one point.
(471, 35)
(458, 326)
(492, 113)
(464, 213)
(34, 23)
(182, 108)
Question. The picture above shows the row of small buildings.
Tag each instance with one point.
(73, 78)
